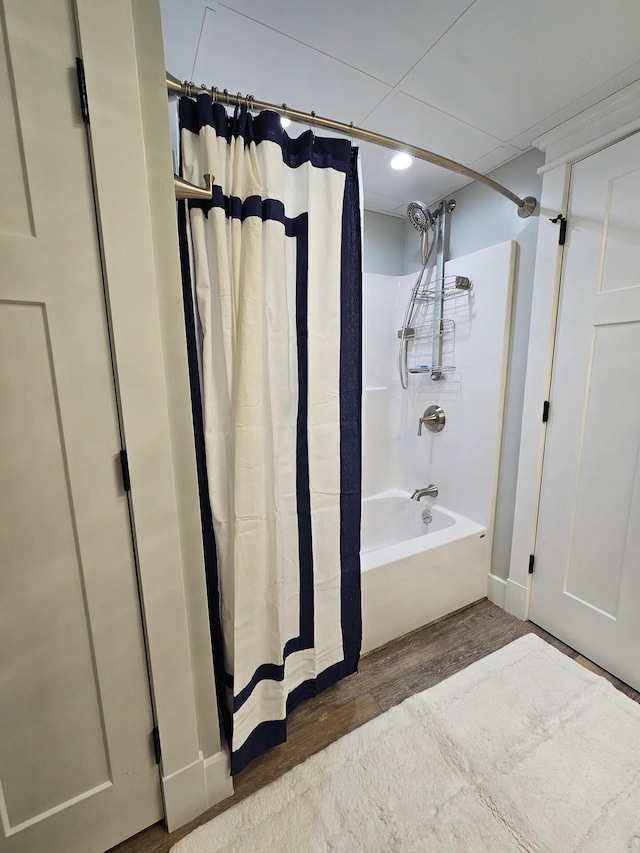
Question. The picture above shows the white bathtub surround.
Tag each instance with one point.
(414, 573)
(412, 576)
(461, 460)
(523, 750)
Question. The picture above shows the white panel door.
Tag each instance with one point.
(586, 584)
(77, 772)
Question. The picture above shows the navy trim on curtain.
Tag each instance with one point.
(296, 228)
(274, 732)
(322, 153)
(351, 415)
(206, 520)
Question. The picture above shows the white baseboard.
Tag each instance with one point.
(193, 789)
(217, 774)
(517, 599)
(497, 590)
(185, 794)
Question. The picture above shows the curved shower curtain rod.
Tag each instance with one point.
(526, 206)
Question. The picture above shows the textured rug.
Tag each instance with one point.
(523, 751)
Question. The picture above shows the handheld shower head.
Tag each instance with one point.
(419, 216)
(423, 221)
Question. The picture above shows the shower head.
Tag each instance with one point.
(419, 216)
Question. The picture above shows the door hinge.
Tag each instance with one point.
(562, 236)
(155, 737)
(82, 87)
(545, 411)
(124, 464)
(532, 559)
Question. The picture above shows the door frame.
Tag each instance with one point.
(596, 128)
(120, 44)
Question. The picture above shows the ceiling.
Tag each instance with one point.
(474, 80)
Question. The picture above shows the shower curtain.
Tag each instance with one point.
(272, 287)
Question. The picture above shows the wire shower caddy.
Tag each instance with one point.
(418, 328)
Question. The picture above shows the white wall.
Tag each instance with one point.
(177, 383)
(151, 64)
(383, 243)
(483, 218)
(462, 459)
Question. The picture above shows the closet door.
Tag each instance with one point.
(77, 771)
(586, 584)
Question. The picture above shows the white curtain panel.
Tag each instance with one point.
(275, 270)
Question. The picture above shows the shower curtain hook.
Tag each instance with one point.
(214, 94)
(313, 127)
(351, 126)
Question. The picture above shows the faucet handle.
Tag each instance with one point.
(427, 420)
(433, 418)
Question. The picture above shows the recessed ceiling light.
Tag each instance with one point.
(285, 122)
(401, 161)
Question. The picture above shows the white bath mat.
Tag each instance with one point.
(525, 750)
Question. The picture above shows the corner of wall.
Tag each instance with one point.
(383, 243)
(516, 600)
(192, 790)
(497, 590)
(157, 142)
(218, 779)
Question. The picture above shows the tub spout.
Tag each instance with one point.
(429, 496)
(430, 491)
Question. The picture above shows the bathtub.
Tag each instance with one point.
(412, 573)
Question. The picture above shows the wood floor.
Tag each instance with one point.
(386, 677)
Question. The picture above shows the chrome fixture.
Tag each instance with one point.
(438, 302)
(423, 221)
(526, 206)
(424, 325)
(420, 216)
(183, 189)
(434, 419)
(430, 491)
(429, 496)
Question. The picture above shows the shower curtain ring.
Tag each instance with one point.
(214, 94)
(313, 126)
(226, 94)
